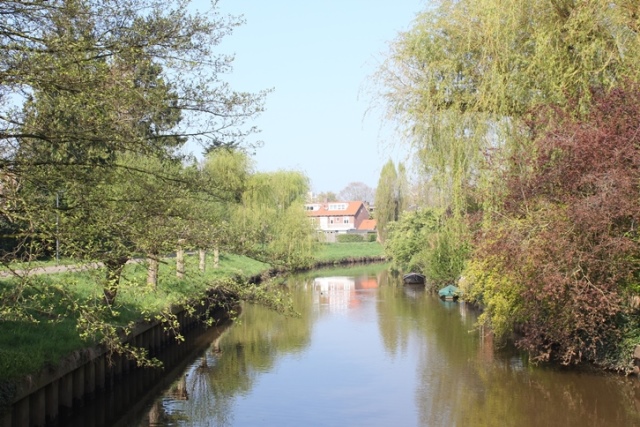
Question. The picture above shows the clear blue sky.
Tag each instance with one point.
(318, 57)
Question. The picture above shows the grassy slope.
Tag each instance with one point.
(26, 347)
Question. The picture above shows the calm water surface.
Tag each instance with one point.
(369, 351)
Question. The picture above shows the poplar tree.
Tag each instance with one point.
(389, 200)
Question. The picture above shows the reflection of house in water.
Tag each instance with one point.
(366, 283)
(336, 292)
(339, 293)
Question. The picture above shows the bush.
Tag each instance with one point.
(346, 238)
(562, 253)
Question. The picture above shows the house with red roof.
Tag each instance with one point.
(332, 218)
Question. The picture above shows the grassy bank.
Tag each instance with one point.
(57, 302)
(27, 345)
(332, 252)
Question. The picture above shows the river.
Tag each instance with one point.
(366, 350)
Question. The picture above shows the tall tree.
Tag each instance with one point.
(389, 200)
(227, 171)
(463, 83)
(460, 81)
(357, 191)
(326, 196)
(276, 228)
(93, 96)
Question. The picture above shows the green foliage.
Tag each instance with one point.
(97, 102)
(344, 238)
(562, 249)
(461, 78)
(390, 197)
(63, 312)
(485, 283)
(272, 222)
(422, 241)
(467, 85)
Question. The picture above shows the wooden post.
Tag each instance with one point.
(21, 412)
(51, 398)
(100, 373)
(89, 379)
(203, 256)
(152, 270)
(5, 418)
(78, 387)
(37, 408)
(216, 257)
(65, 393)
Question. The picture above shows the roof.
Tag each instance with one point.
(368, 224)
(333, 208)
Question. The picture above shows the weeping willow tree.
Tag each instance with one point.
(272, 222)
(460, 82)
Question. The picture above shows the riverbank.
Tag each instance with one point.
(43, 333)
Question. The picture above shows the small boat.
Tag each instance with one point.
(413, 279)
(449, 293)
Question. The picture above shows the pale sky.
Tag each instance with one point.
(318, 56)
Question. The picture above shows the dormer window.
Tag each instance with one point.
(338, 206)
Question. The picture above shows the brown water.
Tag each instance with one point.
(369, 351)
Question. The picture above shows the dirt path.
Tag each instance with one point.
(52, 269)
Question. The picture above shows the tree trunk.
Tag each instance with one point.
(152, 270)
(114, 268)
(216, 257)
(180, 261)
(203, 255)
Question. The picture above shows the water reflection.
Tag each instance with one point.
(367, 350)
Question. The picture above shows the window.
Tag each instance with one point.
(338, 207)
(345, 220)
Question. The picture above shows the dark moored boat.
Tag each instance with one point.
(413, 279)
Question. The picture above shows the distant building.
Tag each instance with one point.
(332, 218)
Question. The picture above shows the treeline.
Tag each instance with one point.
(524, 117)
(100, 104)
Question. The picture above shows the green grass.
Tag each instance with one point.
(339, 251)
(358, 270)
(27, 346)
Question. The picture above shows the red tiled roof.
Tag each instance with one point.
(351, 209)
(368, 224)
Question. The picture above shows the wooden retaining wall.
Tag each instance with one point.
(50, 397)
